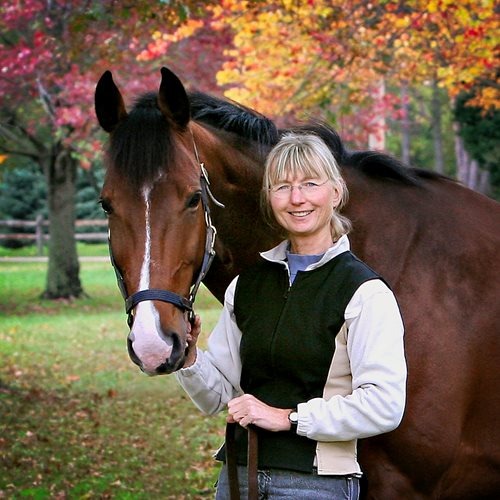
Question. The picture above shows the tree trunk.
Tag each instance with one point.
(437, 131)
(63, 280)
(405, 125)
(462, 158)
(376, 138)
(468, 171)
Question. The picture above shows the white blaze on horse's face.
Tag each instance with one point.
(150, 346)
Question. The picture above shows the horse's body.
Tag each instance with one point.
(434, 241)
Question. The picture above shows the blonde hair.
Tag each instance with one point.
(304, 154)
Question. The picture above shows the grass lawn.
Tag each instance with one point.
(86, 249)
(77, 418)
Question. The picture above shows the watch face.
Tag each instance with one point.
(293, 417)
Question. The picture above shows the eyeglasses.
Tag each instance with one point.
(308, 188)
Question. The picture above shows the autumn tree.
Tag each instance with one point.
(52, 54)
(450, 46)
(336, 60)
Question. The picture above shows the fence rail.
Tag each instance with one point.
(39, 231)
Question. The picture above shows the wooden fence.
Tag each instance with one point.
(38, 231)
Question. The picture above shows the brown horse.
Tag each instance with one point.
(436, 242)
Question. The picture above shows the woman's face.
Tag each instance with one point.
(304, 205)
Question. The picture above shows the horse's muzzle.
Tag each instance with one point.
(157, 365)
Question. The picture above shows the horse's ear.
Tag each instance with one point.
(109, 105)
(172, 99)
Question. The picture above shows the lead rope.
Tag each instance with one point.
(252, 463)
(232, 471)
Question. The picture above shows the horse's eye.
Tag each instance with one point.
(106, 206)
(194, 201)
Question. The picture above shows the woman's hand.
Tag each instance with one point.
(248, 410)
(194, 330)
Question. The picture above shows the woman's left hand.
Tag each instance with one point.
(248, 410)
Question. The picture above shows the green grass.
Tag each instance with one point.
(22, 283)
(86, 249)
(77, 418)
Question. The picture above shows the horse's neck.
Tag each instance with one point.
(395, 225)
(236, 181)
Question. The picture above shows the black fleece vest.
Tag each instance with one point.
(288, 344)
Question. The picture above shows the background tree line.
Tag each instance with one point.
(415, 77)
(23, 196)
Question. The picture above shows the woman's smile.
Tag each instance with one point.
(301, 214)
(304, 207)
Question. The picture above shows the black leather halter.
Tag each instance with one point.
(183, 303)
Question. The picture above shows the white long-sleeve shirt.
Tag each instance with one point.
(374, 346)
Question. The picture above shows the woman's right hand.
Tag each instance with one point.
(194, 330)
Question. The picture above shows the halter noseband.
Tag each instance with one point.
(183, 303)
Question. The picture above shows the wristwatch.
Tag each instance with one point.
(293, 418)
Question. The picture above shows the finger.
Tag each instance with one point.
(237, 402)
(246, 421)
(196, 327)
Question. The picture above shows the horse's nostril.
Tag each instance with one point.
(177, 354)
(132, 353)
(177, 350)
(162, 369)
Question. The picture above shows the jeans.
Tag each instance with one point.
(292, 485)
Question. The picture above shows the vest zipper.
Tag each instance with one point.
(285, 298)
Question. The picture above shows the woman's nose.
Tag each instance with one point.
(296, 195)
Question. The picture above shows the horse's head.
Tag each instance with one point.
(155, 195)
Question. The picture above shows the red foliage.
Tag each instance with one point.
(52, 54)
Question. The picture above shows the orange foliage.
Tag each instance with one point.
(295, 56)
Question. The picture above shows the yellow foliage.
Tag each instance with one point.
(303, 54)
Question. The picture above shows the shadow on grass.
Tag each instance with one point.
(66, 444)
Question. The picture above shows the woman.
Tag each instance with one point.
(309, 345)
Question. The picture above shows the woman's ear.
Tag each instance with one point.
(337, 196)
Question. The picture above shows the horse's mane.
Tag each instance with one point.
(233, 117)
(374, 164)
(141, 146)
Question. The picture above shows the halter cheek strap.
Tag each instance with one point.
(183, 303)
(211, 232)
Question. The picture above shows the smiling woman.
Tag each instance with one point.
(309, 405)
(303, 192)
